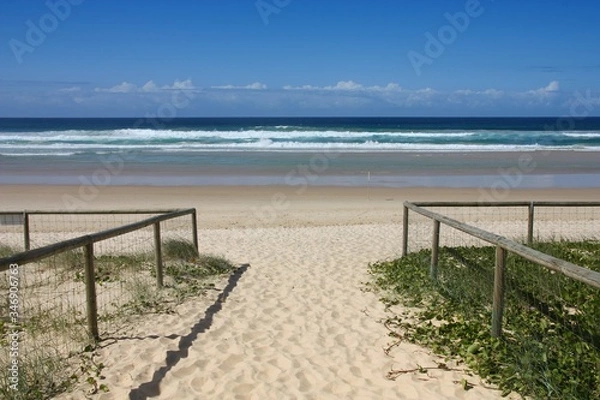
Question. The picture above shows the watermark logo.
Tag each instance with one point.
(447, 34)
(14, 335)
(113, 165)
(581, 106)
(266, 8)
(300, 177)
(36, 33)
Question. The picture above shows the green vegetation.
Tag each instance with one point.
(6, 251)
(44, 373)
(184, 279)
(114, 268)
(69, 324)
(41, 376)
(178, 249)
(68, 260)
(193, 279)
(203, 267)
(550, 348)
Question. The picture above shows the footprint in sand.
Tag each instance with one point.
(307, 381)
(268, 374)
(203, 384)
(281, 362)
(231, 362)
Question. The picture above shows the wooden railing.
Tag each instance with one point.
(23, 218)
(503, 245)
(531, 205)
(88, 241)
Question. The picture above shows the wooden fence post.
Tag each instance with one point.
(158, 254)
(26, 240)
(405, 232)
(195, 231)
(435, 247)
(498, 306)
(530, 224)
(90, 292)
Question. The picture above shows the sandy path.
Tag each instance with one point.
(296, 324)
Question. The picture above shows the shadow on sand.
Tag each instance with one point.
(152, 388)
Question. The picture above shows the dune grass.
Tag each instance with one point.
(45, 374)
(550, 348)
(6, 251)
(179, 249)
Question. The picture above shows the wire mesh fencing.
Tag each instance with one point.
(48, 302)
(566, 223)
(523, 222)
(11, 227)
(549, 342)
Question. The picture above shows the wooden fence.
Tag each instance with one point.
(503, 245)
(23, 218)
(87, 243)
(530, 205)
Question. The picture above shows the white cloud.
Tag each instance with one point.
(345, 85)
(348, 95)
(348, 86)
(72, 89)
(148, 87)
(543, 94)
(420, 97)
(180, 85)
(257, 86)
(465, 92)
(304, 87)
(553, 86)
(474, 98)
(124, 87)
(493, 93)
(252, 86)
(227, 87)
(395, 94)
(391, 87)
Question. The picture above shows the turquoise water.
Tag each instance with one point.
(69, 137)
(319, 151)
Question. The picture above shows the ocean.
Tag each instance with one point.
(338, 151)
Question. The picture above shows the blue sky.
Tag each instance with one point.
(115, 58)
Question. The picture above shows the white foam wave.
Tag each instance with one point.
(270, 134)
(149, 134)
(582, 135)
(269, 145)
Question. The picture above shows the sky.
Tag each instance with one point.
(204, 58)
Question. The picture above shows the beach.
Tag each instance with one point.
(539, 169)
(279, 200)
(297, 321)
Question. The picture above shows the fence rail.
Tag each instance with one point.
(503, 245)
(87, 243)
(531, 205)
(24, 218)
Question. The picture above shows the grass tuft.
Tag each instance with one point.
(178, 249)
(7, 251)
(184, 279)
(40, 377)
